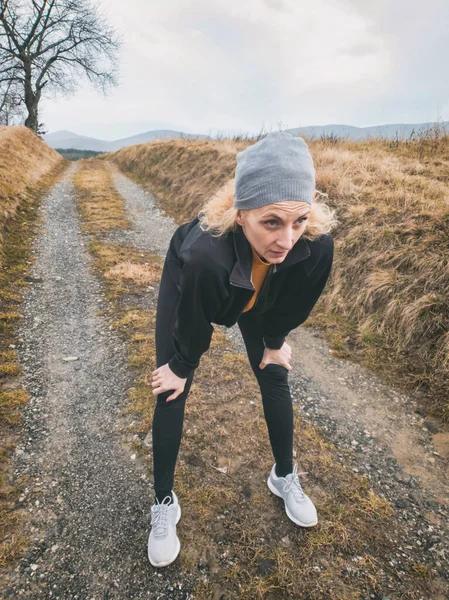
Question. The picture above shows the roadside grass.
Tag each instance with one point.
(24, 160)
(236, 538)
(385, 304)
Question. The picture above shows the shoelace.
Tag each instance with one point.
(294, 484)
(159, 513)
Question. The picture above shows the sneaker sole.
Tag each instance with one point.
(289, 515)
(177, 549)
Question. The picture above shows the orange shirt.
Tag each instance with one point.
(259, 270)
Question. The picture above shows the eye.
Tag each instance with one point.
(275, 222)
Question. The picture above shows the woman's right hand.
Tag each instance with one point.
(281, 357)
(164, 379)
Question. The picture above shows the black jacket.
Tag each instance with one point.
(213, 276)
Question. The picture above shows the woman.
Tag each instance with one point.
(247, 263)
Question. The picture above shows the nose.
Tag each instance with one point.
(285, 240)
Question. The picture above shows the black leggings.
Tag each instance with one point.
(168, 417)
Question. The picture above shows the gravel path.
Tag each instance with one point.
(91, 522)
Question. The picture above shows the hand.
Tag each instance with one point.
(279, 357)
(164, 379)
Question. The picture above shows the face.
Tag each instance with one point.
(274, 229)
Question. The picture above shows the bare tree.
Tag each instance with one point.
(11, 104)
(52, 43)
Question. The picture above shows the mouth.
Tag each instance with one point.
(278, 253)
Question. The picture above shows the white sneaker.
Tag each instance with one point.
(299, 507)
(163, 543)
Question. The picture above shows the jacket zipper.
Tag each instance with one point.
(264, 286)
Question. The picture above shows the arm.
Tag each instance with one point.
(295, 307)
(202, 295)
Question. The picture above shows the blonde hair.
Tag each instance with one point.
(218, 215)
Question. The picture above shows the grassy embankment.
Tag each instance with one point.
(28, 167)
(236, 538)
(386, 303)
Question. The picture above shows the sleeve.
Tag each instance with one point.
(295, 308)
(202, 294)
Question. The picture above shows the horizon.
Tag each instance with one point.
(248, 67)
(225, 134)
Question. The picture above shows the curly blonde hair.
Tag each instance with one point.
(218, 215)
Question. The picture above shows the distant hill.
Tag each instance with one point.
(68, 139)
(390, 131)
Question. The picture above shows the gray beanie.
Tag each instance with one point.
(278, 167)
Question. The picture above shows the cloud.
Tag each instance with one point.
(281, 5)
(228, 64)
(361, 49)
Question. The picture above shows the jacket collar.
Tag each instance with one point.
(241, 272)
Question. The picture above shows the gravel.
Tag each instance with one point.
(89, 502)
(391, 443)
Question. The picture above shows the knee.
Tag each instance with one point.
(176, 404)
(273, 373)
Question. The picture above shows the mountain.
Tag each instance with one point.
(68, 139)
(390, 131)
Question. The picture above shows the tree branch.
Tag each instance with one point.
(51, 42)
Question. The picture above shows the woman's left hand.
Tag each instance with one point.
(279, 357)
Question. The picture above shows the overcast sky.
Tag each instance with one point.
(242, 66)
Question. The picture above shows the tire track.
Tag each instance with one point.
(88, 504)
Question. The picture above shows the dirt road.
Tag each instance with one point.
(89, 508)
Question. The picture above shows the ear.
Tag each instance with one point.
(238, 217)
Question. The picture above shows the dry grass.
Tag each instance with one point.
(28, 168)
(385, 304)
(24, 160)
(97, 193)
(236, 537)
(181, 173)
